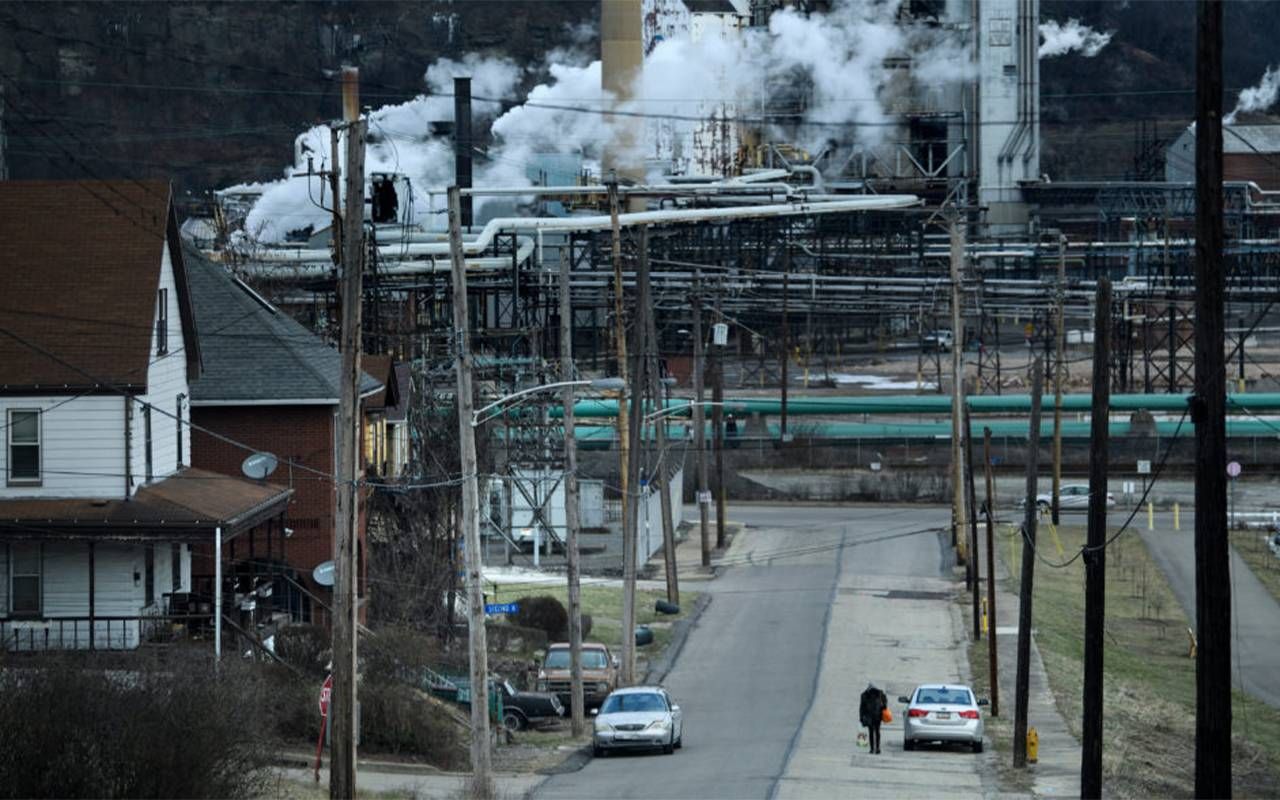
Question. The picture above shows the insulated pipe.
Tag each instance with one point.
(599, 222)
(430, 266)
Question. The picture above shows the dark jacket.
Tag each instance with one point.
(872, 707)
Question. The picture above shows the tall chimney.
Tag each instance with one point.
(622, 58)
(462, 143)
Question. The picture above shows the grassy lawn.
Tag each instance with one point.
(1252, 547)
(1149, 730)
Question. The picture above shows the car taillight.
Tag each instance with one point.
(968, 714)
(917, 712)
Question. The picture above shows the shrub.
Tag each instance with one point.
(586, 626)
(74, 729)
(545, 613)
(395, 718)
(306, 647)
(401, 653)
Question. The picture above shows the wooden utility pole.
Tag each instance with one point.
(1095, 554)
(631, 526)
(571, 522)
(1022, 683)
(626, 469)
(993, 648)
(477, 636)
(700, 426)
(1058, 373)
(342, 767)
(717, 432)
(660, 477)
(1208, 412)
(971, 532)
(4, 140)
(957, 399)
(786, 339)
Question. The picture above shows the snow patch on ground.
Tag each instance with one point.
(877, 383)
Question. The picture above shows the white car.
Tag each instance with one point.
(638, 717)
(942, 713)
(1071, 497)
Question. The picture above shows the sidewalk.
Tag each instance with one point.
(689, 552)
(412, 780)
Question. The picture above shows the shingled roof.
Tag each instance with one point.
(254, 353)
(77, 311)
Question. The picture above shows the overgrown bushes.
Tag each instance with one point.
(70, 728)
(545, 613)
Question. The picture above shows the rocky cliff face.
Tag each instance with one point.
(212, 93)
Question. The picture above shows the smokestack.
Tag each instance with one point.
(462, 143)
(622, 58)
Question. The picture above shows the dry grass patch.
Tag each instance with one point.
(1149, 732)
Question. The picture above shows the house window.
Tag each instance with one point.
(162, 322)
(175, 568)
(24, 446)
(146, 425)
(178, 416)
(25, 574)
(149, 576)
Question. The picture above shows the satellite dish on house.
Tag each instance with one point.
(323, 573)
(259, 465)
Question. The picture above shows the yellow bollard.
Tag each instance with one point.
(1151, 516)
(1240, 383)
(984, 616)
(1033, 746)
(1177, 517)
(1056, 540)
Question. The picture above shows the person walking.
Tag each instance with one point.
(871, 714)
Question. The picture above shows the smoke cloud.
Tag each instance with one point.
(1257, 98)
(1060, 39)
(838, 57)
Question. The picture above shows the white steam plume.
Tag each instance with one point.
(840, 56)
(1257, 98)
(1060, 39)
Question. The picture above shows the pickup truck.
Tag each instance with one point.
(521, 709)
(599, 673)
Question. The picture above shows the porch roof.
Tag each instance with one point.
(187, 506)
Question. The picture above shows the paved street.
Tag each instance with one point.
(762, 653)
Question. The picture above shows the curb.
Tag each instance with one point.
(657, 671)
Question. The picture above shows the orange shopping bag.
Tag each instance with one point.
(886, 716)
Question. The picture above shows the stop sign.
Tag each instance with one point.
(325, 692)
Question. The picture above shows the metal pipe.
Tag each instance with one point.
(217, 593)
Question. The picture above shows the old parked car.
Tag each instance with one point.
(638, 717)
(521, 709)
(1071, 497)
(942, 713)
(599, 673)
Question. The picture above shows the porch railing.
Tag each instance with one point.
(99, 632)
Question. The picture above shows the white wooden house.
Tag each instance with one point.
(103, 523)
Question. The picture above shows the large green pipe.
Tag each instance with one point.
(936, 404)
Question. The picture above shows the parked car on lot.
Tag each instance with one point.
(638, 717)
(942, 713)
(521, 709)
(1071, 497)
(940, 340)
(599, 673)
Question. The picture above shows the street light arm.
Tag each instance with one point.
(598, 383)
(670, 410)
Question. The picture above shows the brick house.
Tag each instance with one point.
(100, 505)
(271, 383)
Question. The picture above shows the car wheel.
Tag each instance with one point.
(597, 751)
(908, 745)
(669, 747)
(977, 746)
(680, 742)
(513, 721)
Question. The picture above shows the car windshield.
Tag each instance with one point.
(941, 695)
(591, 659)
(620, 703)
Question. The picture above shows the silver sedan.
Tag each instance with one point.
(638, 717)
(942, 713)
